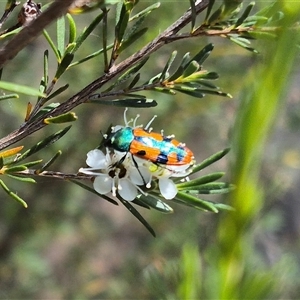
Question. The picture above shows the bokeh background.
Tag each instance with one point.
(70, 244)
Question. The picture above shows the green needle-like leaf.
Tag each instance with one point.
(46, 68)
(52, 45)
(9, 96)
(195, 202)
(194, 15)
(42, 144)
(208, 10)
(61, 35)
(137, 215)
(57, 92)
(129, 73)
(130, 102)
(165, 71)
(72, 29)
(212, 159)
(22, 89)
(66, 61)
(156, 204)
(244, 15)
(186, 58)
(15, 169)
(50, 162)
(128, 42)
(201, 180)
(12, 194)
(86, 187)
(23, 179)
(64, 118)
(192, 67)
(145, 12)
(211, 188)
(82, 37)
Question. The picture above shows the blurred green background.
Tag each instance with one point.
(69, 244)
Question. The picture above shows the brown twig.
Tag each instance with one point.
(33, 30)
(8, 11)
(82, 96)
(54, 174)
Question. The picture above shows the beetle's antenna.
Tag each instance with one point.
(136, 165)
(149, 123)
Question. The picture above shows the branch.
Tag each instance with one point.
(82, 96)
(33, 30)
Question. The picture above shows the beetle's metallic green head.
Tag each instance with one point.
(120, 140)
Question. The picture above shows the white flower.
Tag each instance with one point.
(113, 176)
(125, 174)
(163, 173)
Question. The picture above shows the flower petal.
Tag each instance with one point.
(96, 159)
(140, 175)
(127, 190)
(103, 184)
(167, 188)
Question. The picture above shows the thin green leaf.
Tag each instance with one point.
(50, 162)
(32, 163)
(165, 71)
(137, 215)
(201, 180)
(224, 207)
(129, 73)
(145, 12)
(57, 92)
(164, 90)
(207, 84)
(134, 82)
(211, 188)
(203, 54)
(128, 42)
(12, 194)
(86, 187)
(137, 201)
(82, 37)
(15, 169)
(244, 15)
(66, 61)
(9, 96)
(186, 58)
(210, 160)
(156, 204)
(196, 202)
(45, 110)
(191, 92)
(52, 45)
(70, 48)
(136, 102)
(89, 56)
(22, 89)
(46, 68)
(13, 32)
(23, 179)
(192, 67)
(199, 92)
(42, 144)
(208, 10)
(60, 34)
(134, 28)
(123, 22)
(72, 29)
(242, 42)
(194, 15)
(63, 118)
